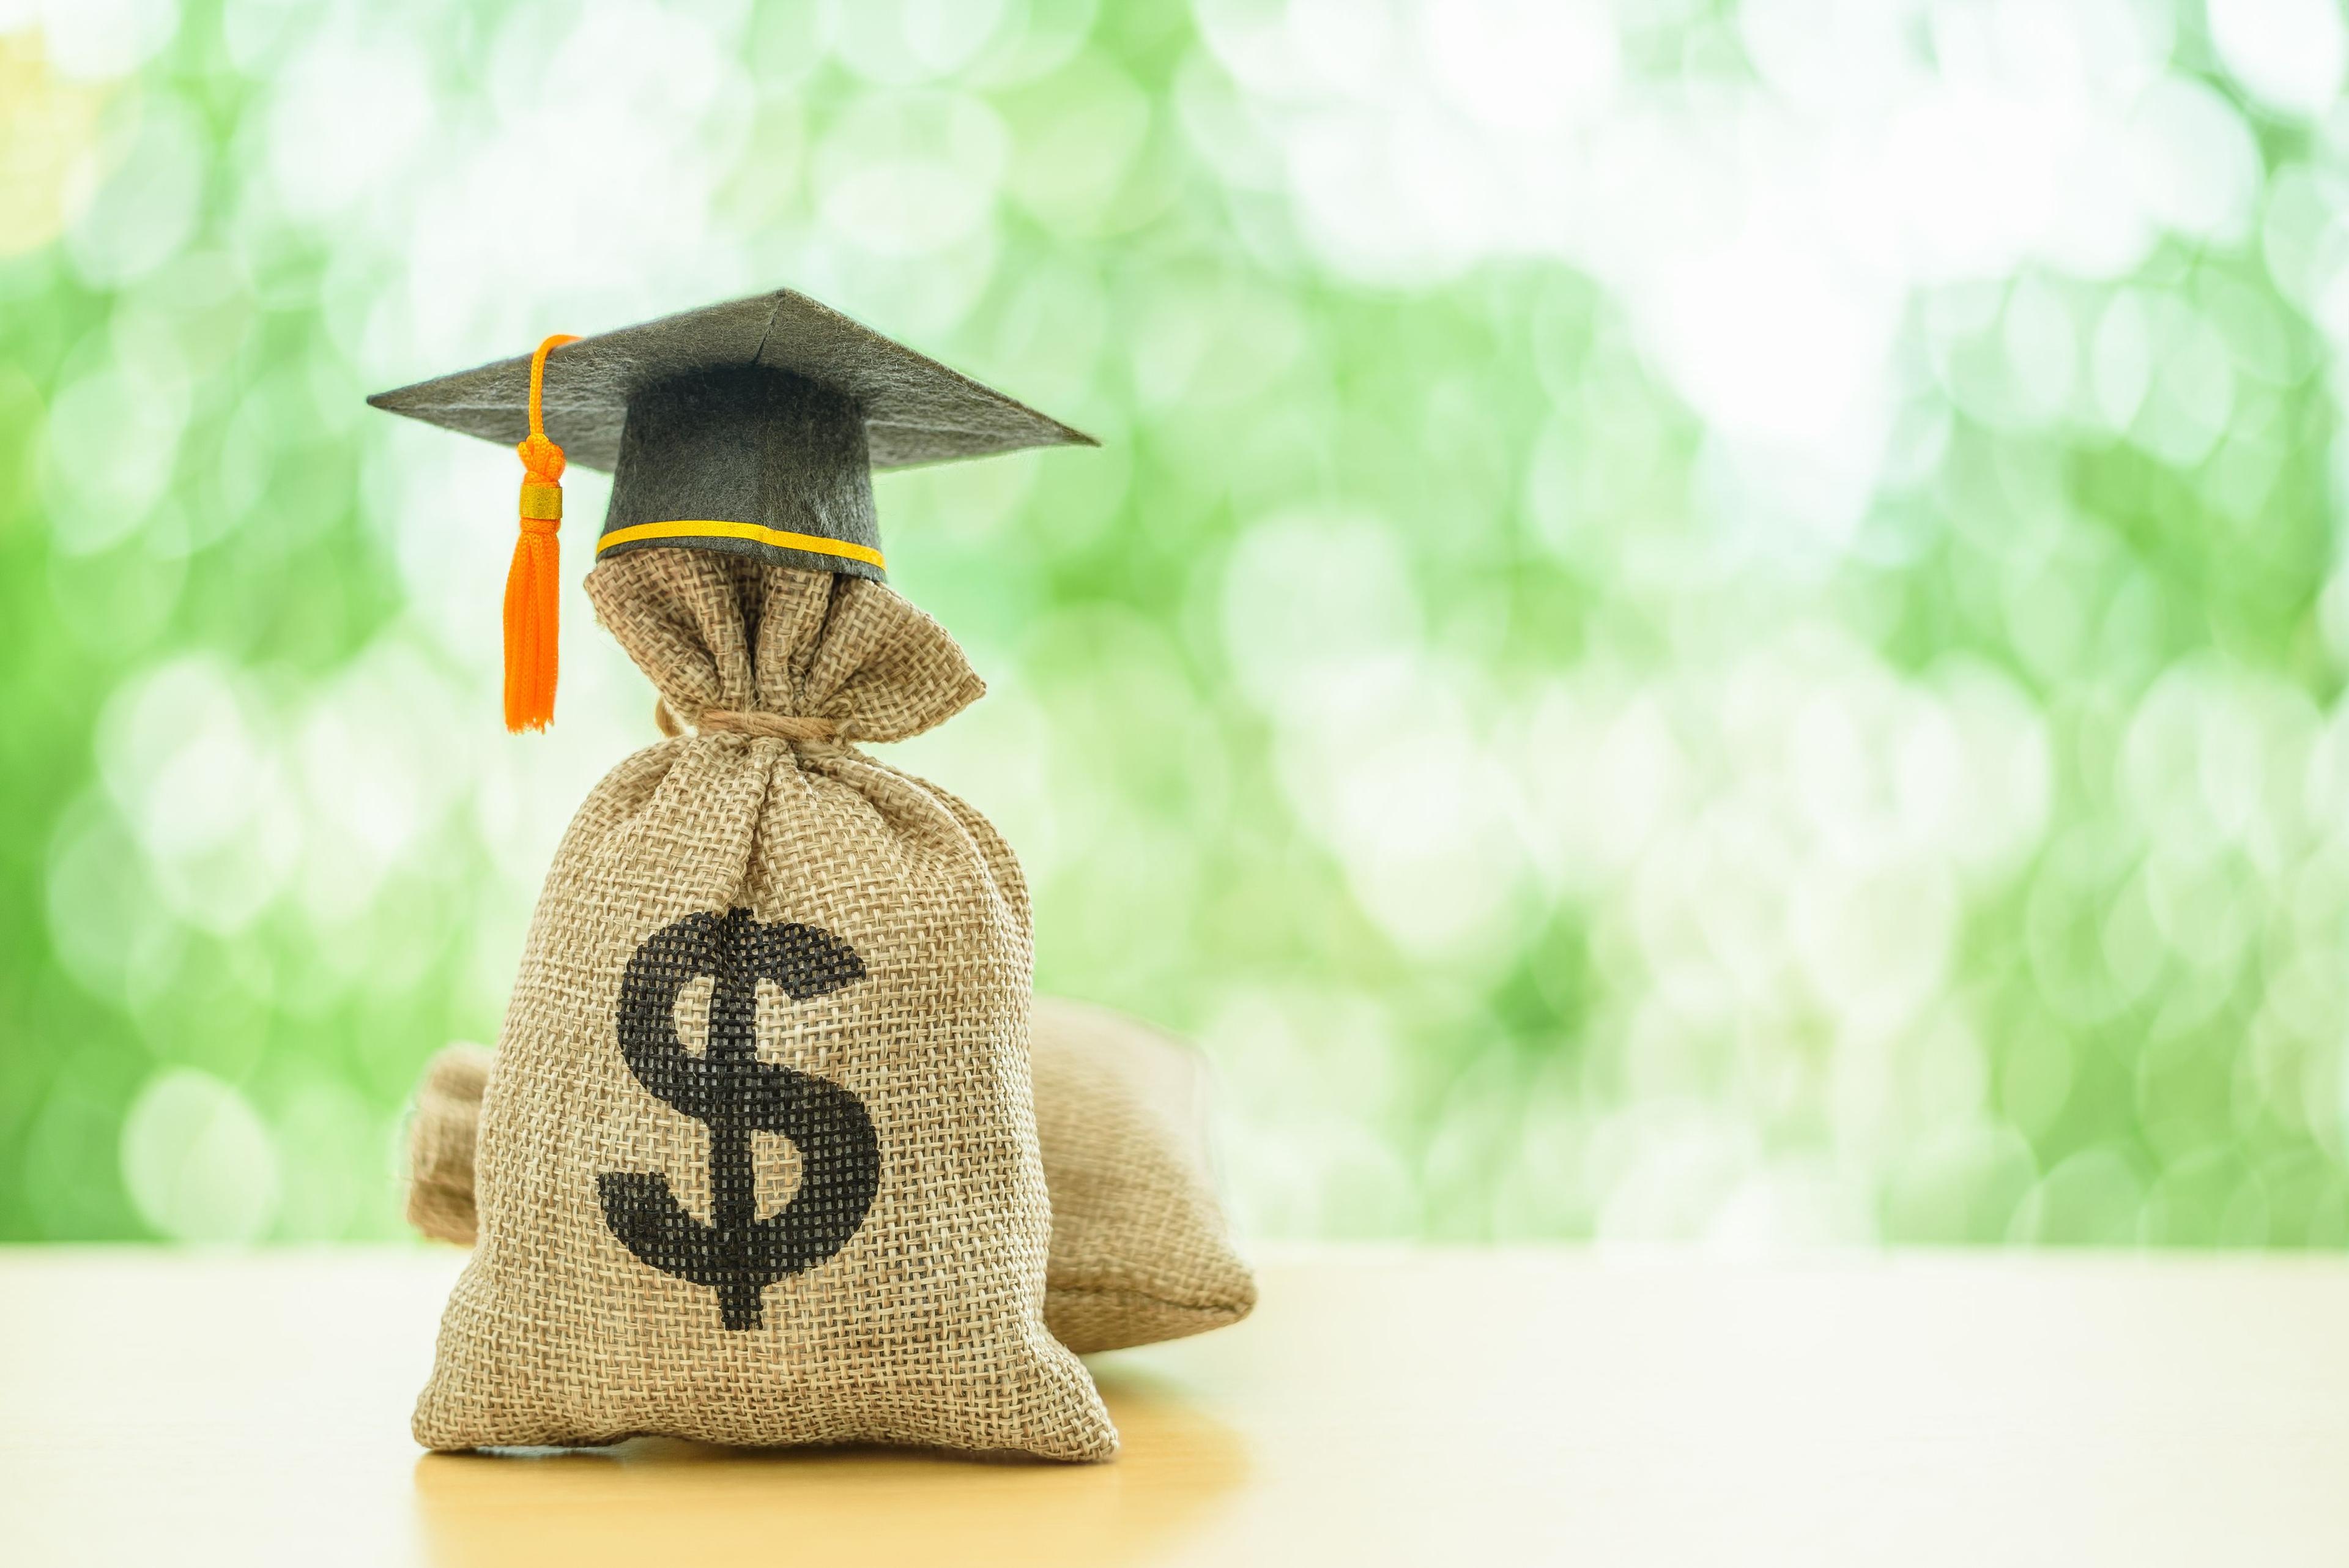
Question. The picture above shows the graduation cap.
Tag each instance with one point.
(751, 427)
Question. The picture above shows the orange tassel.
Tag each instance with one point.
(534, 582)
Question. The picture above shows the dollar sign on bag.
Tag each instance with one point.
(739, 1254)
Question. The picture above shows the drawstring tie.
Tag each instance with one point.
(770, 726)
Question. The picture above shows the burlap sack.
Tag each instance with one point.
(1140, 1251)
(757, 1164)
(441, 1127)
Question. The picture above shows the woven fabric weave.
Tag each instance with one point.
(757, 1164)
(1140, 1250)
(441, 1129)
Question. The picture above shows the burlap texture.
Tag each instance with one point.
(441, 1134)
(882, 1277)
(1140, 1250)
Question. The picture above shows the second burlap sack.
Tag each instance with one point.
(758, 1163)
(1140, 1250)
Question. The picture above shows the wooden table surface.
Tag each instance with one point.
(1422, 1407)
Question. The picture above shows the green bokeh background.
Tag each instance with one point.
(1695, 623)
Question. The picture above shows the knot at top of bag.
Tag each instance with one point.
(796, 727)
(738, 645)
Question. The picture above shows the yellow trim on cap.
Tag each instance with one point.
(815, 545)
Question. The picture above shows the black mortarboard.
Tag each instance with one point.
(751, 427)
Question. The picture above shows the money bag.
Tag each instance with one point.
(759, 1163)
